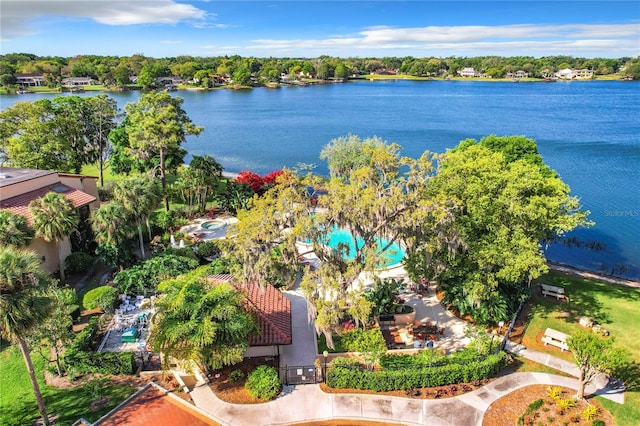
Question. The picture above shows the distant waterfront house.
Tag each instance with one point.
(583, 74)
(18, 187)
(564, 74)
(171, 80)
(568, 74)
(467, 72)
(30, 80)
(385, 71)
(518, 74)
(78, 81)
(273, 313)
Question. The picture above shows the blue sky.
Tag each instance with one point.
(165, 28)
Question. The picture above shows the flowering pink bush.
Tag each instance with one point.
(349, 325)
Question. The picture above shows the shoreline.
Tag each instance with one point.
(364, 78)
(584, 273)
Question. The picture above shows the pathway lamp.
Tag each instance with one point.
(325, 355)
(494, 333)
(500, 325)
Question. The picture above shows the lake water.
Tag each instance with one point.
(589, 132)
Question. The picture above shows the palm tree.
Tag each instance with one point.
(150, 197)
(201, 321)
(110, 224)
(23, 305)
(126, 192)
(139, 197)
(54, 218)
(14, 230)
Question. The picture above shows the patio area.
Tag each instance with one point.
(433, 328)
(130, 326)
(209, 228)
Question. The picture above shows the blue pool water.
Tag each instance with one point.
(394, 254)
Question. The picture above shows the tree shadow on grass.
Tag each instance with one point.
(630, 374)
(582, 301)
(20, 413)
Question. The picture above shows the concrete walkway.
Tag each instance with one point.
(304, 349)
(305, 403)
(607, 388)
(309, 403)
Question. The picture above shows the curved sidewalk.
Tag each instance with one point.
(309, 403)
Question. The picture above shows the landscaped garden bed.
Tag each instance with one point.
(506, 410)
(229, 382)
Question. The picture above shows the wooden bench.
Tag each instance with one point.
(553, 291)
(555, 338)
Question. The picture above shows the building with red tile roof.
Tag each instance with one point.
(18, 187)
(273, 314)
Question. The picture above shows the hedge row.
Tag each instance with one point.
(85, 339)
(100, 362)
(81, 358)
(430, 359)
(347, 373)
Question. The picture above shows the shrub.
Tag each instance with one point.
(554, 393)
(263, 383)
(144, 277)
(111, 363)
(250, 178)
(85, 338)
(349, 374)
(78, 262)
(590, 412)
(222, 265)
(208, 249)
(369, 343)
(565, 404)
(271, 178)
(597, 422)
(236, 375)
(103, 297)
(162, 221)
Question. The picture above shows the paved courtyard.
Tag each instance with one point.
(129, 327)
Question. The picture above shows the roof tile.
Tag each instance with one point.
(20, 203)
(272, 309)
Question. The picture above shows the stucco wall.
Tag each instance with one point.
(48, 250)
(255, 351)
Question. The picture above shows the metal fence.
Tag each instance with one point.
(511, 325)
(300, 375)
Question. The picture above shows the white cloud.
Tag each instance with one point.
(478, 39)
(18, 15)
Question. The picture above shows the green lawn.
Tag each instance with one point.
(18, 404)
(92, 170)
(615, 307)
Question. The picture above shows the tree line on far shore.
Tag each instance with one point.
(118, 70)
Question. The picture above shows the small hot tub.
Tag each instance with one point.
(210, 225)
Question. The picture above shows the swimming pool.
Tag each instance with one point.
(394, 254)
